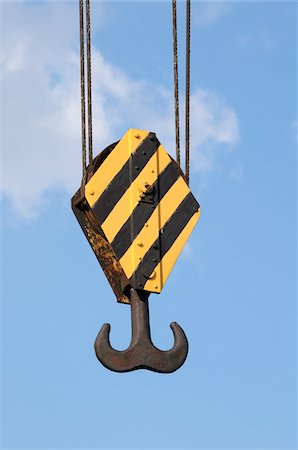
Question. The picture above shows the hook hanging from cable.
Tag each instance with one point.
(137, 212)
(89, 85)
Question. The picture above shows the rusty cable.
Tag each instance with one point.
(83, 112)
(89, 98)
(187, 91)
(176, 84)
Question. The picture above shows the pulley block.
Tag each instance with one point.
(136, 211)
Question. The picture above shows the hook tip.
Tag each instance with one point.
(102, 339)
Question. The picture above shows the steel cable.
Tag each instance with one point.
(187, 91)
(187, 87)
(83, 112)
(89, 86)
(176, 84)
(89, 98)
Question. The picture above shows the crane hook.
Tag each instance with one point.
(141, 353)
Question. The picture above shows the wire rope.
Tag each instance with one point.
(89, 97)
(83, 112)
(187, 92)
(176, 84)
(187, 86)
(89, 84)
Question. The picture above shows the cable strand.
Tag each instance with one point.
(89, 97)
(176, 84)
(83, 112)
(187, 92)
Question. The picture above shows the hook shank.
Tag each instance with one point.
(141, 353)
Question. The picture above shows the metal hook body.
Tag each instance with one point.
(141, 353)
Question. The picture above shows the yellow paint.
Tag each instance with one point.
(166, 264)
(113, 164)
(125, 206)
(149, 233)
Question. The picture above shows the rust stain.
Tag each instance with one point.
(108, 262)
(95, 236)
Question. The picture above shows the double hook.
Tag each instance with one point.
(141, 353)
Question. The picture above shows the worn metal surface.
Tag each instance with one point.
(100, 246)
(141, 354)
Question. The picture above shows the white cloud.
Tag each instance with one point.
(40, 123)
(214, 124)
(207, 13)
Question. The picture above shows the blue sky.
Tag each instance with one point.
(233, 289)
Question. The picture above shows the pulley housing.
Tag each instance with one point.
(136, 211)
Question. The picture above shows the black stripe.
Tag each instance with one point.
(166, 239)
(144, 210)
(128, 173)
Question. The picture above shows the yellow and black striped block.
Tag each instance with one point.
(144, 207)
